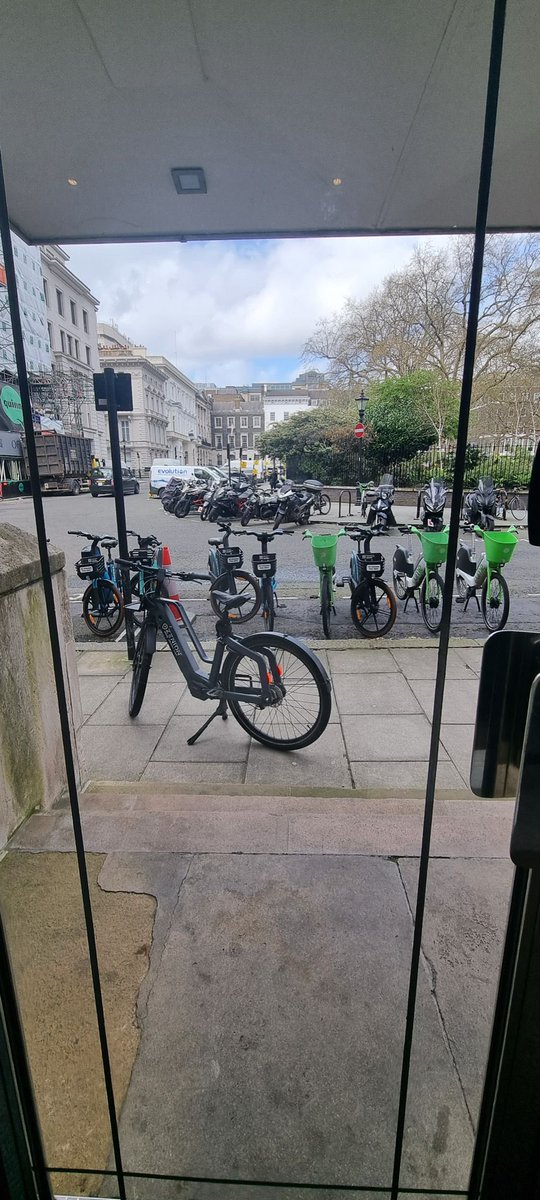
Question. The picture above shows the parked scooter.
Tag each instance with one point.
(430, 505)
(480, 506)
(260, 505)
(228, 501)
(297, 501)
(192, 498)
(172, 493)
(380, 515)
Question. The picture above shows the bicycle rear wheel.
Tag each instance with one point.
(326, 605)
(103, 608)
(237, 583)
(431, 599)
(517, 507)
(495, 604)
(373, 608)
(141, 667)
(300, 717)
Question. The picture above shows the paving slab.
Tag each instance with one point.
(116, 751)
(103, 662)
(322, 764)
(460, 699)
(472, 656)
(217, 773)
(391, 776)
(160, 701)
(274, 1029)
(458, 742)
(367, 660)
(164, 669)
(421, 663)
(221, 742)
(94, 689)
(384, 694)
(383, 739)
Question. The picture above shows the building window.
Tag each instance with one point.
(256, 422)
(217, 422)
(272, 416)
(218, 443)
(243, 422)
(255, 396)
(244, 439)
(63, 341)
(73, 312)
(85, 320)
(286, 416)
(230, 422)
(88, 355)
(60, 302)
(77, 355)
(124, 431)
(69, 340)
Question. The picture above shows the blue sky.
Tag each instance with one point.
(233, 312)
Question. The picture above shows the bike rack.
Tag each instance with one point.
(345, 492)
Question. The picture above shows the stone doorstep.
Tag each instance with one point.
(113, 789)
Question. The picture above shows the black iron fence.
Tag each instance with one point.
(508, 465)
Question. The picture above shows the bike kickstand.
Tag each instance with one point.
(220, 711)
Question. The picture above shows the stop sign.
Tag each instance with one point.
(359, 430)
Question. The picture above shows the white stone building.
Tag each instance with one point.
(33, 310)
(71, 326)
(181, 402)
(143, 432)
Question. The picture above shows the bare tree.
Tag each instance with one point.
(417, 319)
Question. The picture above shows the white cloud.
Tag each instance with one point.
(221, 308)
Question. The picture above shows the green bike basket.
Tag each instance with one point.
(434, 547)
(324, 548)
(499, 546)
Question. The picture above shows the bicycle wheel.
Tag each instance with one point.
(237, 583)
(326, 605)
(517, 507)
(401, 584)
(103, 608)
(300, 717)
(373, 608)
(495, 605)
(141, 666)
(431, 598)
(325, 504)
(268, 605)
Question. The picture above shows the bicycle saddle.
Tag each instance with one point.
(215, 541)
(109, 543)
(229, 601)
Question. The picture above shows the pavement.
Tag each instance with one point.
(274, 948)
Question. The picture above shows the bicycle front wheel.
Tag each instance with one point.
(103, 608)
(517, 507)
(326, 606)
(495, 602)
(325, 504)
(237, 583)
(303, 713)
(373, 608)
(141, 667)
(431, 599)
(268, 605)
(401, 584)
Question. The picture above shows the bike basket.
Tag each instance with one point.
(142, 555)
(324, 548)
(434, 546)
(90, 566)
(499, 546)
(264, 565)
(233, 556)
(373, 563)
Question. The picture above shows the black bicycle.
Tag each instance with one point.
(225, 566)
(275, 687)
(373, 603)
(264, 568)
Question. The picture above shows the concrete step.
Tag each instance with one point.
(138, 820)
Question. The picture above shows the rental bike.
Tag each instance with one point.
(224, 564)
(275, 687)
(264, 567)
(423, 575)
(324, 548)
(486, 574)
(373, 604)
(103, 600)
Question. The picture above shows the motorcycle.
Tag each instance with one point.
(480, 506)
(228, 502)
(261, 505)
(297, 501)
(172, 493)
(380, 515)
(191, 498)
(430, 505)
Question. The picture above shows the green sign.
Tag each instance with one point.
(11, 407)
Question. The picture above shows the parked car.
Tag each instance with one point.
(102, 483)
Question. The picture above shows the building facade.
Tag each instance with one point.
(237, 421)
(143, 432)
(32, 307)
(71, 324)
(183, 434)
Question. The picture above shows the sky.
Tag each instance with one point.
(233, 312)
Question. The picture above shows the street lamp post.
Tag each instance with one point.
(361, 402)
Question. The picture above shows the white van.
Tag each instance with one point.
(163, 469)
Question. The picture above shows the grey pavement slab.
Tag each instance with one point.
(94, 689)
(160, 701)
(421, 663)
(323, 764)
(103, 662)
(206, 773)
(387, 739)
(460, 699)
(366, 661)
(164, 669)
(393, 776)
(464, 928)
(273, 1031)
(221, 742)
(472, 656)
(116, 751)
(458, 742)
(385, 694)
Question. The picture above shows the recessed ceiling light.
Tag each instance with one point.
(189, 180)
(337, 181)
(73, 182)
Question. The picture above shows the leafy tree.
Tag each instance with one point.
(406, 415)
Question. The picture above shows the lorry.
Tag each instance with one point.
(64, 462)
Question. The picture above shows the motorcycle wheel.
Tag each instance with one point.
(246, 517)
(213, 513)
(277, 520)
(204, 513)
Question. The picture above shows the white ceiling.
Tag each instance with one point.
(274, 99)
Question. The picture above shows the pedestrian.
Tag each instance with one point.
(274, 479)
